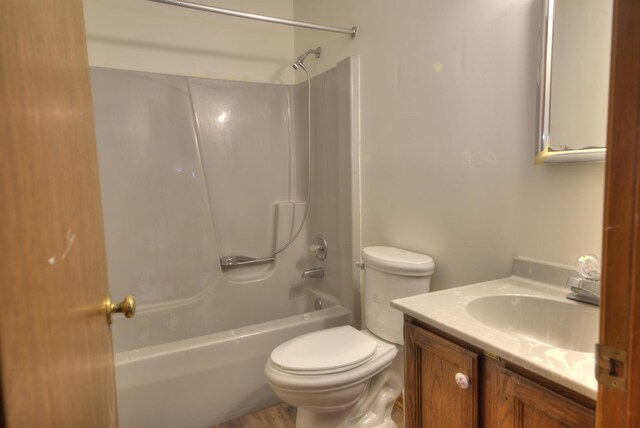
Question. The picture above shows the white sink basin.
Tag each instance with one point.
(556, 323)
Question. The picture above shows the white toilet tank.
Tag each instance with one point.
(391, 273)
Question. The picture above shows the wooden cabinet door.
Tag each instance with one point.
(537, 407)
(510, 401)
(433, 399)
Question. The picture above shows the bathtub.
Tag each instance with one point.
(202, 381)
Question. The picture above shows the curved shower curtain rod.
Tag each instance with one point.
(238, 14)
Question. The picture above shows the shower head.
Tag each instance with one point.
(300, 60)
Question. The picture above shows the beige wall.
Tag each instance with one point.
(448, 109)
(144, 36)
(448, 126)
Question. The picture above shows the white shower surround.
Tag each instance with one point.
(161, 243)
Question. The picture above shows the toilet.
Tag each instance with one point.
(343, 377)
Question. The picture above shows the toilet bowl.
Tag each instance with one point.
(343, 377)
(327, 394)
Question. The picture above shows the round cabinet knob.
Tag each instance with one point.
(462, 380)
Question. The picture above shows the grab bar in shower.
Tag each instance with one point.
(228, 262)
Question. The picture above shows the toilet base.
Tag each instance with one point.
(373, 410)
(318, 420)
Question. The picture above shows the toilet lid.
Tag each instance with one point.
(325, 351)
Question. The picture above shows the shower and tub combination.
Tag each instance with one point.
(197, 176)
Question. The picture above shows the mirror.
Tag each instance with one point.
(574, 80)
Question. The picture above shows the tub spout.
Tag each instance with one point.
(317, 272)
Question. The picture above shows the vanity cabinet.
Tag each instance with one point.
(447, 384)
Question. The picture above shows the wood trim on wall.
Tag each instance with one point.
(620, 315)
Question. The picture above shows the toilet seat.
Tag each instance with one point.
(327, 351)
(312, 382)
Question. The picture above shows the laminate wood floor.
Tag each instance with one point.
(284, 416)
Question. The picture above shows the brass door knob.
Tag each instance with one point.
(127, 307)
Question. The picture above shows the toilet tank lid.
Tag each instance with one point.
(397, 261)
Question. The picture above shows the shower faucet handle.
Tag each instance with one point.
(318, 247)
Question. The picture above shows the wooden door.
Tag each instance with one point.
(56, 360)
(432, 396)
(620, 314)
